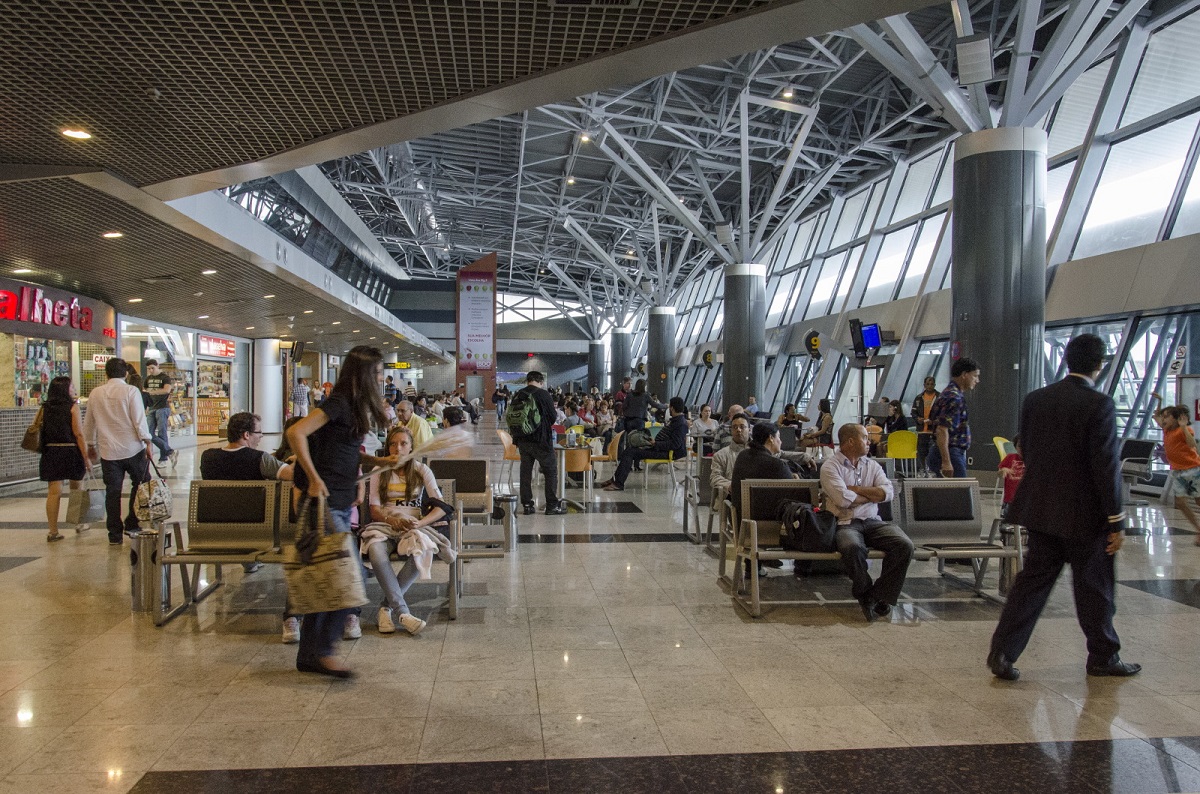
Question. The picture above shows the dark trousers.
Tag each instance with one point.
(1092, 582)
(114, 471)
(853, 542)
(958, 460)
(320, 631)
(533, 452)
(630, 457)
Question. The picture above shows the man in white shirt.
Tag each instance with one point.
(854, 485)
(722, 459)
(116, 431)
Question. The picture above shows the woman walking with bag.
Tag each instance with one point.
(326, 445)
(64, 452)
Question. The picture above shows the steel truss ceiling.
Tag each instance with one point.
(626, 218)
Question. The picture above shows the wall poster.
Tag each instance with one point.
(476, 321)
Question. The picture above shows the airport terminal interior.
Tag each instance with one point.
(790, 201)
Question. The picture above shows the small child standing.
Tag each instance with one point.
(1012, 469)
(1179, 444)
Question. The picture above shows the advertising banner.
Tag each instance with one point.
(476, 321)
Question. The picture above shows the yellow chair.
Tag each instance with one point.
(577, 428)
(902, 445)
(669, 460)
(1004, 448)
(610, 455)
(511, 455)
(579, 461)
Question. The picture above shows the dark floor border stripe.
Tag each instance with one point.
(1147, 766)
(619, 537)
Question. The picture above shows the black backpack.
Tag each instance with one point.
(807, 529)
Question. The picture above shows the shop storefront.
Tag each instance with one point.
(45, 333)
(211, 373)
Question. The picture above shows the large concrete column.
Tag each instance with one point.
(595, 374)
(268, 384)
(660, 353)
(744, 333)
(619, 345)
(998, 282)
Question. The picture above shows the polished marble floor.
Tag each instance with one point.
(601, 655)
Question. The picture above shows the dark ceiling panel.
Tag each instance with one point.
(173, 89)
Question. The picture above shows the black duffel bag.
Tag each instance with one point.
(807, 529)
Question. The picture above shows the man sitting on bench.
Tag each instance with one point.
(854, 485)
(241, 459)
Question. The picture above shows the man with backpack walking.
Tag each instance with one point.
(529, 417)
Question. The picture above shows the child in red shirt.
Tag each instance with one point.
(1012, 469)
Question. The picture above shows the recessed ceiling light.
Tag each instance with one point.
(208, 272)
(249, 327)
(79, 135)
(112, 235)
(585, 137)
(268, 296)
(308, 311)
(787, 93)
(570, 180)
(197, 294)
(135, 300)
(629, 252)
(23, 270)
(202, 317)
(356, 330)
(337, 322)
(372, 337)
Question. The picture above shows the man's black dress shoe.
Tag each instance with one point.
(317, 667)
(530, 509)
(868, 608)
(1001, 667)
(1115, 668)
(883, 609)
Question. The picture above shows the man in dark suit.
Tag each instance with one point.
(1070, 501)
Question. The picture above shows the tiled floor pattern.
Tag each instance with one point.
(626, 648)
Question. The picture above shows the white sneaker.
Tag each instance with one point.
(291, 631)
(353, 629)
(173, 457)
(412, 624)
(386, 626)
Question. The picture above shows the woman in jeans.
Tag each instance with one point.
(326, 445)
(404, 499)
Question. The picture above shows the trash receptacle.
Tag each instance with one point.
(508, 503)
(142, 571)
(1009, 566)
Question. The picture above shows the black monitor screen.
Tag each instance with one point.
(943, 504)
(870, 336)
(217, 505)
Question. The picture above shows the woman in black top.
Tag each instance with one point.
(63, 448)
(327, 445)
(896, 420)
(758, 461)
(637, 403)
(823, 432)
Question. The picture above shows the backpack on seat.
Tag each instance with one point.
(522, 415)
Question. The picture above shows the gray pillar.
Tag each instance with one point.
(744, 333)
(998, 285)
(618, 342)
(269, 397)
(595, 374)
(660, 356)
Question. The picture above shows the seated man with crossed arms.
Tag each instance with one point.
(854, 485)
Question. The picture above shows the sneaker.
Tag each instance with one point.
(291, 631)
(174, 456)
(530, 509)
(82, 528)
(386, 626)
(352, 629)
(412, 624)
(559, 509)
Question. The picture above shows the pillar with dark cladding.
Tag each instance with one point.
(998, 281)
(619, 344)
(660, 355)
(595, 376)
(744, 333)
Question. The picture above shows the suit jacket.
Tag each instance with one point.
(1072, 485)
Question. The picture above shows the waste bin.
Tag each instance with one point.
(508, 503)
(1009, 565)
(142, 570)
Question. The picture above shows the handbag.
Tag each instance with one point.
(323, 571)
(639, 438)
(153, 500)
(87, 504)
(32, 440)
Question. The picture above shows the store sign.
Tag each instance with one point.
(217, 347)
(398, 365)
(100, 359)
(43, 311)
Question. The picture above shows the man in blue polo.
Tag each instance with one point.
(948, 417)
